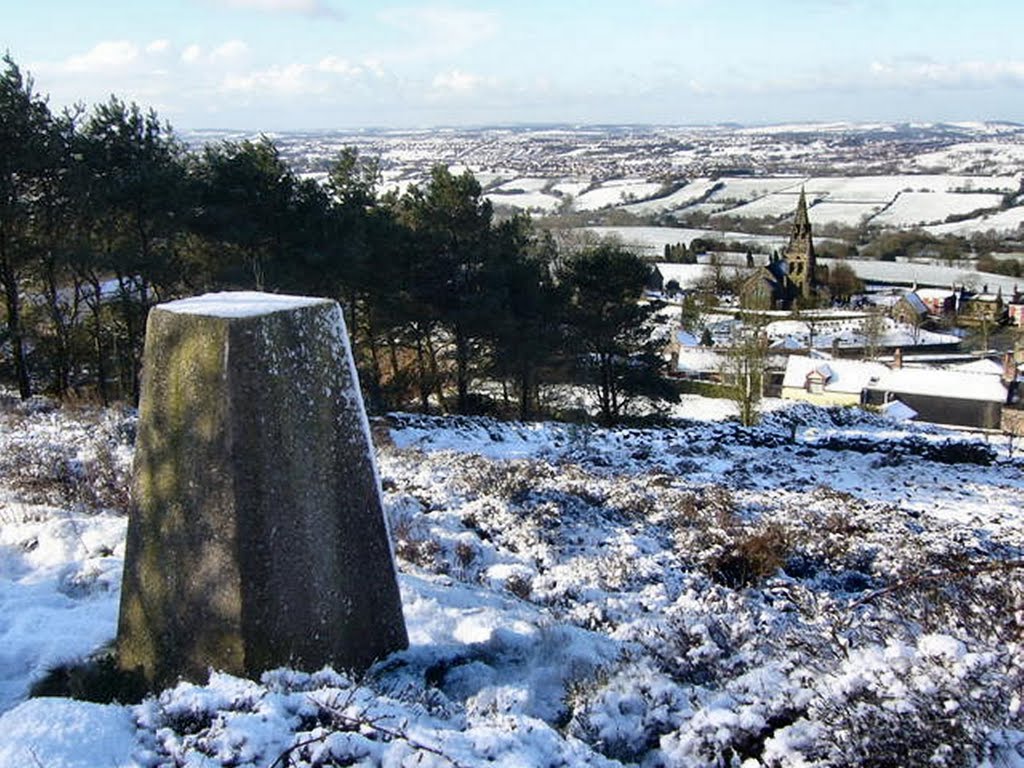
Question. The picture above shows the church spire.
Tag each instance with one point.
(799, 256)
(801, 222)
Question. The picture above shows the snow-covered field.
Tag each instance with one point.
(912, 209)
(889, 201)
(827, 589)
(652, 240)
(526, 201)
(686, 195)
(618, 192)
(1003, 222)
(844, 214)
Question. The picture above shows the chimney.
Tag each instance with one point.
(897, 359)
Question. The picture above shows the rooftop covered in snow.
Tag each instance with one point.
(850, 376)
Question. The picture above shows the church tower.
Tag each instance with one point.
(799, 253)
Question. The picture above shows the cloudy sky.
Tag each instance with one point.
(322, 64)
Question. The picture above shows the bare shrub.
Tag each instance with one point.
(519, 586)
(415, 545)
(752, 557)
(94, 475)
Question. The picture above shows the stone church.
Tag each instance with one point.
(790, 278)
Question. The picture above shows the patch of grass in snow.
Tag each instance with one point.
(97, 679)
(83, 461)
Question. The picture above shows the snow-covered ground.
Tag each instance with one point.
(652, 240)
(686, 195)
(617, 192)
(911, 209)
(826, 589)
(1009, 221)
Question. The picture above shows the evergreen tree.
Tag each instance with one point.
(26, 133)
(133, 204)
(524, 308)
(245, 194)
(451, 221)
(609, 330)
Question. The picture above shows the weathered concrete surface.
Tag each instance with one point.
(257, 537)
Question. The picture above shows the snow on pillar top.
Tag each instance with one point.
(237, 304)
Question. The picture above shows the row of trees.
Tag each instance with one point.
(105, 213)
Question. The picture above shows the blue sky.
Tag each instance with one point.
(322, 64)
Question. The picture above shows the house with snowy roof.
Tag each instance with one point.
(909, 309)
(667, 277)
(982, 307)
(828, 381)
(937, 301)
(943, 396)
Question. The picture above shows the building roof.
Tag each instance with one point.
(695, 360)
(937, 382)
(686, 275)
(984, 365)
(915, 302)
(935, 294)
(687, 339)
(846, 376)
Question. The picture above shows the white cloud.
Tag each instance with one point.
(107, 56)
(303, 7)
(156, 47)
(287, 80)
(192, 54)
(232, 49)
(457, 81)
(338, 66)
(950, 75)
(443, 31)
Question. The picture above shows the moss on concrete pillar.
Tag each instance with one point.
(257, 537)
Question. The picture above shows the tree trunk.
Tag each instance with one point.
(461, 371)
(435, 374)
(61, 329)
(133, 354)
(96, 310)
(9, 278)
(524, 391)
(421, 370)
(374, 385)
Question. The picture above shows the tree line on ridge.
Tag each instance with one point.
(106, 212)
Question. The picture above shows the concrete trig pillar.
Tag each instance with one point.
(256, 537)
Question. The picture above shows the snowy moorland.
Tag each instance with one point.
(826, 589)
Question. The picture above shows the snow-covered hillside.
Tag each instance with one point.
(827, 589)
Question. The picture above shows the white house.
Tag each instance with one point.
(828, 382)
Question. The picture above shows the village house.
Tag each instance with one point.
(828, 381)
(910, 309)
(962, 398)
(971, 395)
(977, 308)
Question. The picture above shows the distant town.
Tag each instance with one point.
(908, 296)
